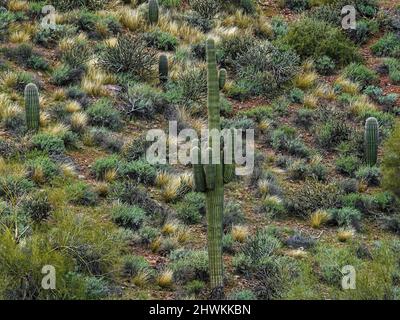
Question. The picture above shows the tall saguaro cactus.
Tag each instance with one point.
(209, 178)
(163, 69)
(153, 11)
(32, 107)
(371, 138)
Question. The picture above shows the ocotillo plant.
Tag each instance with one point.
(209, 178)
(32, 107)
(163, 69)
(153, 11)
(371, 138)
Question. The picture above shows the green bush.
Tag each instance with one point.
(192, 208)
(140, 170)
(233, 215)
(106, 139)
(103, 114)
(81, 193)
(387, 46)
(331, 133)
(189, 265)
(37, 206)
(64, 75)
(347, 165)
(347, 217)
(194, 287)
(242, 295)
(133, 265)
(361, 74)
(14, 186)
(371, 175)
(130, 217)
(325, 65)
(45, 165)
(161, 40)
(296, 5)
(391, 162)
(315, 39)
(312, 196)
(48, 143)
(207, 9)
(66, 5)
(101, 166)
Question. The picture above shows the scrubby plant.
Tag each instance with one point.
(361, 74)
(348, 217)
(391, 162)
(139, 171)
(387, 46)
(48, 143)
(37, 206)
(81, 193)
(42, 169)
(103, 114)
(189, 265)
(161, 40)
(347, 164)
(126, 216)
(370, 175)
(104, 165)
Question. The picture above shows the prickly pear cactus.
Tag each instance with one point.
(32, 107)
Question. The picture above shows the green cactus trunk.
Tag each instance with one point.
(222, 78)
(32, 107)
(153, 11)
(371, 141)
(163, 69)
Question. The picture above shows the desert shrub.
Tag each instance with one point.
(148, 234)
(194, 287)
(130, 217)
(139, 170)
(161, 40)
(14, 186)
(279, 26)
(37, 206)
(391, 66)
(391, 162)
(24, 55)
(365, 29)
(366, 204)
(331, 133)
(272, 206)
(331, 261)
(65, 74)
(371, 175)
(136, 149)
(105, 139)
(296, 5)
(315, 39)
(101, 166)
(305, 117)
(233, 215)
(325, 65)
(387, 46)
(81, 193)
(242, 295)
(296, 95)
(347, 165)
(143, 101)
(7, 149)
(231, 47)
(189, 265)
(228, 243)
(348, 217)
(392, 223)
(298, 170)
(76, 55)
(312, 196)
(192, 208)
(66, 5)
(361, 74)
(45, 165)
(131, 55)
(49, 38)
(170, 3)
(284, 139)
(267, 67)
(241, 122)
(103, 114)
(48, 143)
(205, 8)
(132, 265)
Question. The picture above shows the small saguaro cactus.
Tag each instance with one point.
(371, 138)
(32, 107)
(222, 78)
(163, 69)
(210, 178)
(153, 11)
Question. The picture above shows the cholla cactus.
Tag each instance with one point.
(32, 107)
(210, 179)
(371, 138)
(153, 11)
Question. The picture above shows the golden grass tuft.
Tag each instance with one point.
(310, 101)
(165, 279)
(240, 233)
(347, 86)
(68, 170)
(169, 228)
(141, 279)
(17, 5)
(19, 37)
(306, 80)
(102, 189)
(72, 106)
(110, 175)
(263, 187)
(318, 218)
(79, 121)
(362, 105)
(163, 178)
(345, 235)
(171, 191)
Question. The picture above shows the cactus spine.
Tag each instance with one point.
(153, 11)
(371, 138)
(222, 78)
(209, 178)
(163, 69)
(32, 107)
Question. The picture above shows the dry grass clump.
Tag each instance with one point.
(240, 233)
(165, 279)
(318, 218)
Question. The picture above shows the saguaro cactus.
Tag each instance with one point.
(371, 138)
(153, 11)
(163, 69)
(222, 78)
(32, 107)
(209, 178)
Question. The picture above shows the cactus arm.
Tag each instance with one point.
(163, 69)
(32, 107)
(198, 171)
(222, 78)
(371, 141)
